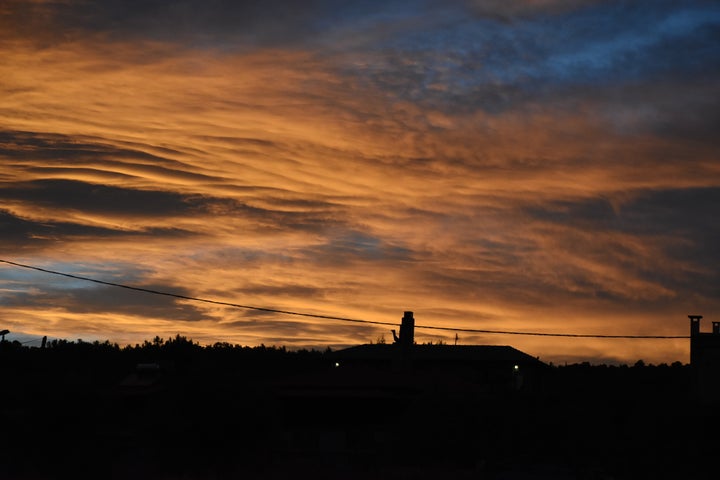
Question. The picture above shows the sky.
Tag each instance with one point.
(546, 166)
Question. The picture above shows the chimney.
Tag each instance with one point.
(407, 330)
(716, 328)
(694, 324)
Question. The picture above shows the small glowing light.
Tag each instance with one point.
(516, 367)
(337, 364)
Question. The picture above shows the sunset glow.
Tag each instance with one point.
(529, 166)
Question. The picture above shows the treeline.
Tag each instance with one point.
(184, 352)
(179, 357)
(178, 343)
(182, 345)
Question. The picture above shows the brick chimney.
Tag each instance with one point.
(694, 337)
(407, 330)
(694, 324)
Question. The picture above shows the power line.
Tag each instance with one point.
(329, 317)
(196, 299)
(543, 334)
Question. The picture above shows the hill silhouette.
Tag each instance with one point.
(171, 408)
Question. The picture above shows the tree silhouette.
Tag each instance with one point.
(220, 412)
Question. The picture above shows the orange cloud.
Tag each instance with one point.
(268, 178)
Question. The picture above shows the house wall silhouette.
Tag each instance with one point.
(705, 360)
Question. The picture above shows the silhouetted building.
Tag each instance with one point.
(391, 373)
(370, 397)
(489, 367)
(705, 359)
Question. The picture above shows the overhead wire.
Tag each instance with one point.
(330, 317)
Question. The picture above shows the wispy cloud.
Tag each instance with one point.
(534, 166)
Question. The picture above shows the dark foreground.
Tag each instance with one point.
(90, 412)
